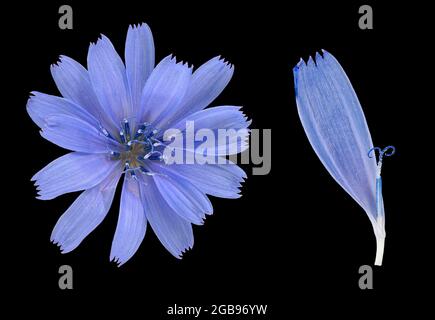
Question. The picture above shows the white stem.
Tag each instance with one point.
(380, 242)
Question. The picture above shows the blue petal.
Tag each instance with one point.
(109, 80)
(336, 127)
(85, 214)
(40, 106)
(225, 118)
(164, 91)
(73, 82)
(222, 117)
(219, 180)
(74, 134)
(139, 60)
(174, 232)
(184, 198)
(72, 172)
(132, 223)
(207, 83)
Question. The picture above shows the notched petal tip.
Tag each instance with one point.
(225, 62)
(172, 59)
(32, 95)
(184, 64)
(184, 252)
(100, 39)
(117, 261)
(238, 194)
(57, 244)
(318, 58)
(39, 197)
(61, 59)
(138, 26)
(56, 64)
(311, 63)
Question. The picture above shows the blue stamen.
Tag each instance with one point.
(153, 133)
(141, 129)
(138, 141)
(122, 136)
(126, 129)
(155, 155)
(139, 132)
(156, 142)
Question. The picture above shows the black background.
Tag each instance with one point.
(295, 239)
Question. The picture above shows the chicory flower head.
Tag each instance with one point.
(337, 130)
(112, 117)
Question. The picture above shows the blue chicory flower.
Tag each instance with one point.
(337, 130)
(112, 117)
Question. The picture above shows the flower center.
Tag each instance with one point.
(136, 147)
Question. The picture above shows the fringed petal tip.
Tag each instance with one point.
(223, 61)
(318, 57)
(56, 64)
(238, 195)
(208, 213)
(242, 178)
(32, 94)
(60, 246)
(39, 195)
(102, 37)
(244, 116)
(99, 38)
(201, 220)
(118, 261)
(183, 252)
(60, 59)
(173, 60)
(138, 26)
